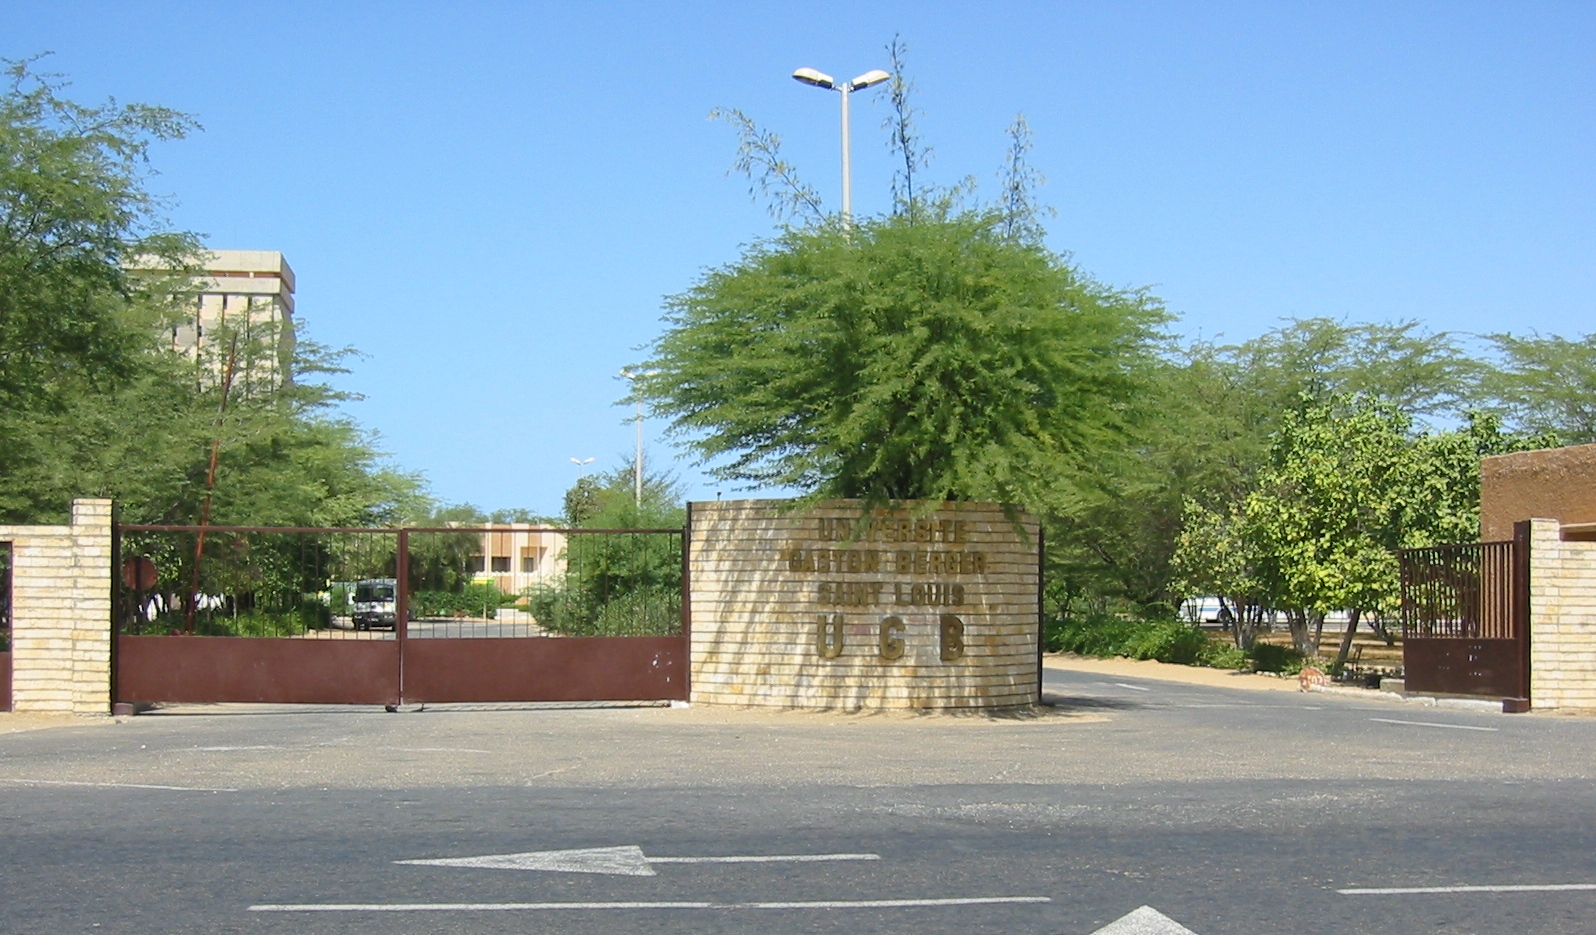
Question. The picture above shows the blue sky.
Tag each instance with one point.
(489, 200)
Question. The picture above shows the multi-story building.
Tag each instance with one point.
(243, 311)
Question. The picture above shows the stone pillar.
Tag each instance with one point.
(61, 613)
(1562, 619)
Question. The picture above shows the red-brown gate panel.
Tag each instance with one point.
(1463, 667)
(248, 669)
(5, 681)
(579, 668)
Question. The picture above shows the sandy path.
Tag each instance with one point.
(1165, 672)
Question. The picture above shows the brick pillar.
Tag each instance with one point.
(61, 613)
(1562, 619)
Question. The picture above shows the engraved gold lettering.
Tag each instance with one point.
(952, 638)
(828, 636)
(890, 641)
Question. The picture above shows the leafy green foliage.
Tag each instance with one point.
(73, 213)
(1170, 641)
(474, 599)
(617, 584)
(90, 402)
(932, 359)
(1347, 483)
(1547, 384)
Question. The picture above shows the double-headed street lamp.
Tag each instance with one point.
(637, 466)
(811, 77)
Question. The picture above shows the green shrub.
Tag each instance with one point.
(1104, 635)
(482, 598)
(1168, 641)
(1223, 654)
(1268, 657)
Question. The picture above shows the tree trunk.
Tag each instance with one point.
(1243, 622)
(1346, 638)
(1306, 627)
(1378, 625)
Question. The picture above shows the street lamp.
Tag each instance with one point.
(637, 466)
(581, 464)
(821, 80)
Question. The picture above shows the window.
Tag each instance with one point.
(367, 592)
(474, 564)
(529, 564)
(501, 564)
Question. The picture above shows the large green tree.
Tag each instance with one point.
(927, 356)
(1546, 384)
(74, 211)
(91, 404)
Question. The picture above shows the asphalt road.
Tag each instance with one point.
(1228, 811)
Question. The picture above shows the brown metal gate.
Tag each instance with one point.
(1465, 618)
(504, 613)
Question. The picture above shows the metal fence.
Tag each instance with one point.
(1465, 591)
(260, 582)
(409, 583)
(531, 581)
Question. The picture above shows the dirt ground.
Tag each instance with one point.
(12, 722)
(1368, 650)
(1167, 672)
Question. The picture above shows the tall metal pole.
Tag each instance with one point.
(637, 467)
(847, 168)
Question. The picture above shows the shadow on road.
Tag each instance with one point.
(1088, 703)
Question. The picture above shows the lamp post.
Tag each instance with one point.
(637, 466)
(581, 465)
(821, 80)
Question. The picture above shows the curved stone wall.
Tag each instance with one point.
(822, 609)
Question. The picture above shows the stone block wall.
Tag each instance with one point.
(61, 613)
(808, 609)
(1562, 619)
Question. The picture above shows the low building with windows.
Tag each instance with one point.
(519, 556)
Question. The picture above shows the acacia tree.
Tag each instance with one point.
(922, 355)
(1547, 384)
(74, 210)
(90, 402)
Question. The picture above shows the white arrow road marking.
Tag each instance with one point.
(827, 904)
(1134, 688)
(628, 860)
(1387, 720)
(1502, 888)
(1144, 921)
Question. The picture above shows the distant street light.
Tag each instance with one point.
(581, 465)
(637, 466)
(821, 80)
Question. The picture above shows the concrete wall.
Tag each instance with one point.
(61, 612)
(1562, 619)
(774, 591)
(1559, 483)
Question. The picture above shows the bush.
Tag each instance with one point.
(1223, 654)
(649, 612)
(474, 600)
(1104, 635)
(1268, 657)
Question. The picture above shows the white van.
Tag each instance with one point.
(376, 603)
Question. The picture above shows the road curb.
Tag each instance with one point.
(1427, 701)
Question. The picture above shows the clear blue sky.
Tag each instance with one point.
(489, 200)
